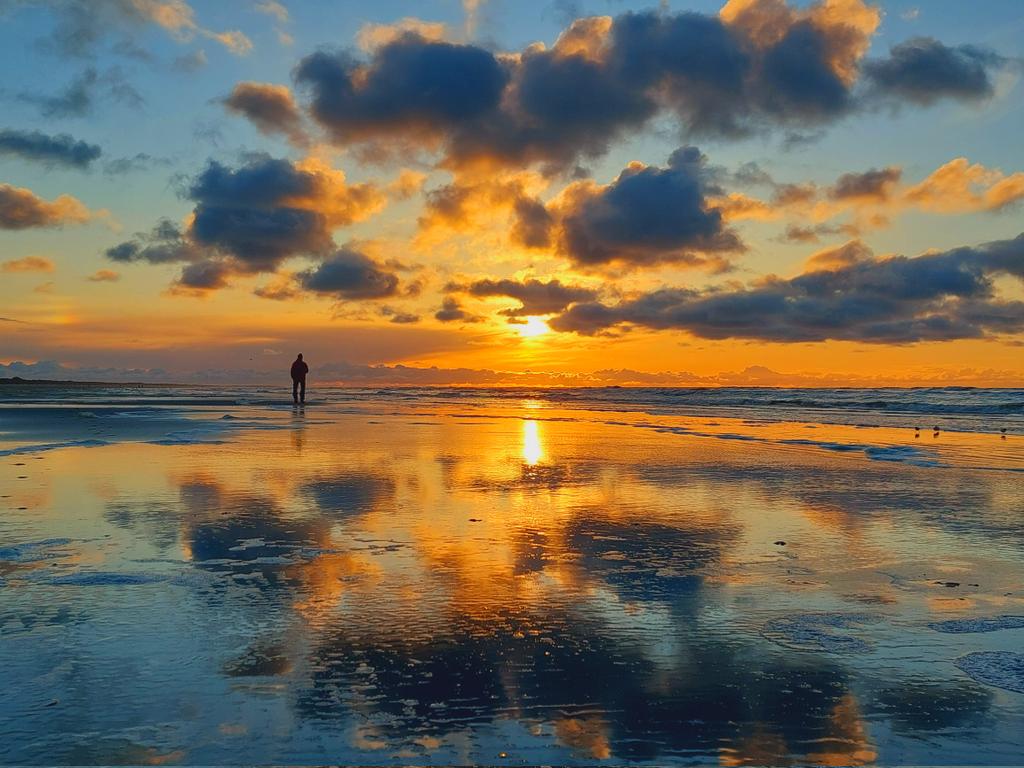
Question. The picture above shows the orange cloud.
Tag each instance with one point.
(22, 209)
(27, 264)
(271, 108)
(340, 202)
(872, 198)
(407, 184)
(372, 36)
(847, 25)
(959, 187)
(104, 276)
(178, 18)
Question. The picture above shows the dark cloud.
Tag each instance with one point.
(924, 70)
(206, 275)
(758, 66)
(81, 94)
(404, 318)
(251, 218)
(190, 62)
(537, 297)
(349, 495)
(412, 84)
(452, 312)
(270, 209)
(647, 216)
(934, 297)
(812, 234)
(873, 184)
(398, 317)
(138, 162)
(271, 109)
(164, 244)
(75, 100)
(533, 223)
(260, 237)
(59, 149)
(349, 274)
(82, 26)
(797, 81)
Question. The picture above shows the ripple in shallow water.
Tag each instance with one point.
(991, 624)
(819, 632)
(1001, 669)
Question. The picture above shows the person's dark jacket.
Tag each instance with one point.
(299, 370)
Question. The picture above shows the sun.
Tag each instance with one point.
(534, 326)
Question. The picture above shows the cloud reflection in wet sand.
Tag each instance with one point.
(558, 591)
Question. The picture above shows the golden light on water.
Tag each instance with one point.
(534, 326)
(533, 450)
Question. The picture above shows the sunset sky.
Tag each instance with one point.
(479, 192)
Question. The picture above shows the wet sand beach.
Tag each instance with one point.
(502, 580)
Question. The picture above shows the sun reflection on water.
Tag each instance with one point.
(533, 449)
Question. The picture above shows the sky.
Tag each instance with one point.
(574, 192)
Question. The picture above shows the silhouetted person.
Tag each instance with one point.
(299, 371)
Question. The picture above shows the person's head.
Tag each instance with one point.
(299, 357)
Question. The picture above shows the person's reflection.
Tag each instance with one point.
(298, 426)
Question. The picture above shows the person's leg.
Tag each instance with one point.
(295, 390)
(303, 395)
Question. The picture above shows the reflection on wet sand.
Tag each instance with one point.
(444, 591)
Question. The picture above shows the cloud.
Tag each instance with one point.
(190, 62)
(275, 9)
(758, 66)
(871, 198)
(533, 223)
(413, 85)
(202, 276)
(251, 218)
(398, 317)
(80, 96)
(799, 234)
(271, 108)
(270, 209)
(472, 10)
(27, 264)
(138, 162)
(164, 244)
(890, 300)
(82, 24)
(349, 274)
(104, 276)
(847, 254)
(646, 216)
(23, 209)
(958, 186)
(536, 297)
(452, 312)
(372, 36)
(281, 287)
(466, 206)
(407, 184)
(60, 149)
(870, 185)
(923, 70)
